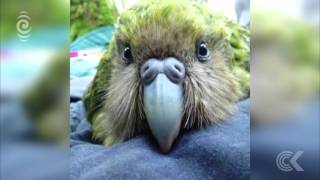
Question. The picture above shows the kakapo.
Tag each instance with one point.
(171, 66)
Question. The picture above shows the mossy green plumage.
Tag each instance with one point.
(163, 29)
(88, 15)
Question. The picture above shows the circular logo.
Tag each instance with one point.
(282, 161)
(23, 26)
(287, 161)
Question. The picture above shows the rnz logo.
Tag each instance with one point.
(287, 161)
(23, 26)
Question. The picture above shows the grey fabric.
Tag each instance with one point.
(217, 152)
(295, 133)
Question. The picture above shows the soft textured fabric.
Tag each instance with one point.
(298, 132)
(216, 152)
(98, 38)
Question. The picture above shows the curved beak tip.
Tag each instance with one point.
(165, 146)
(166, 143)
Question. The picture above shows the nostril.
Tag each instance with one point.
(176, 75)
(175, 70)
(145, 68)
(150, 70)
(177, 67)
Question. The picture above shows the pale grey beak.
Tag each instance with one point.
(163, 99)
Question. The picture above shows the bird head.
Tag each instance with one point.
(166, 70)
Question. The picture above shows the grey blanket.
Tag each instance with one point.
(217, 152)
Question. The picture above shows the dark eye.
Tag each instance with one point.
(202, 51)
(126, 55)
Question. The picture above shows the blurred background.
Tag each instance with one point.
(49, 51)
(34, 89)
(285, 89)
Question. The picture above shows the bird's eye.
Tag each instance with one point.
(202, 51)
(126, 55)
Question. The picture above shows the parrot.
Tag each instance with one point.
(171, 66)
